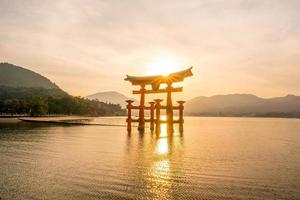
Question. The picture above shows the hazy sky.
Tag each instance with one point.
(89, 46)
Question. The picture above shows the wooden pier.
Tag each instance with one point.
(155, 107)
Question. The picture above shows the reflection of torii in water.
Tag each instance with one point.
(155, 82)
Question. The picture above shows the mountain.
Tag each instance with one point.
(18, 82)
(242, 104)
(111, 97)
(15, 76)
(24, 92)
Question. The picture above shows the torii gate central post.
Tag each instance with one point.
(155, 82)
(142, 109)
(169, 109)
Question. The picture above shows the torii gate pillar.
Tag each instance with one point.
(169, 109)
(141, 126)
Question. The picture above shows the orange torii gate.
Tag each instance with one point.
(155, 82)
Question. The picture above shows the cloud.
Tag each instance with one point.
(104, 40)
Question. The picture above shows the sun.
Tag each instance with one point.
(163, 65)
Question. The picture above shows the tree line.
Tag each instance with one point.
(38, 105)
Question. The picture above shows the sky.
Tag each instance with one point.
(88, 46)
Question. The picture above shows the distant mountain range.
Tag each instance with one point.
(18, 82)
(111, 97)
(243, 105)
(225, 105)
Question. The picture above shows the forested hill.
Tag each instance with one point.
(15, 76)
(25, 92)
(20, 83)
(7, 92)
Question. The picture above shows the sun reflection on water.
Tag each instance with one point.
(163, 127)
(161, 168)
(160, 173)
(160, 184)
(162, 146)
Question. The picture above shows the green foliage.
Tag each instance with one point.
(66, 105)
(25, 92)
(37, 106)
(7, 92)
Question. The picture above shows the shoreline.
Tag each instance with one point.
(76, 117)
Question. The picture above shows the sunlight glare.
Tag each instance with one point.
(163, 65)
(162, 146)
(163, 127)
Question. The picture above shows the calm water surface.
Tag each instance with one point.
(215, 158)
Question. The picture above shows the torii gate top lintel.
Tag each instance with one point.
(155, 81)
